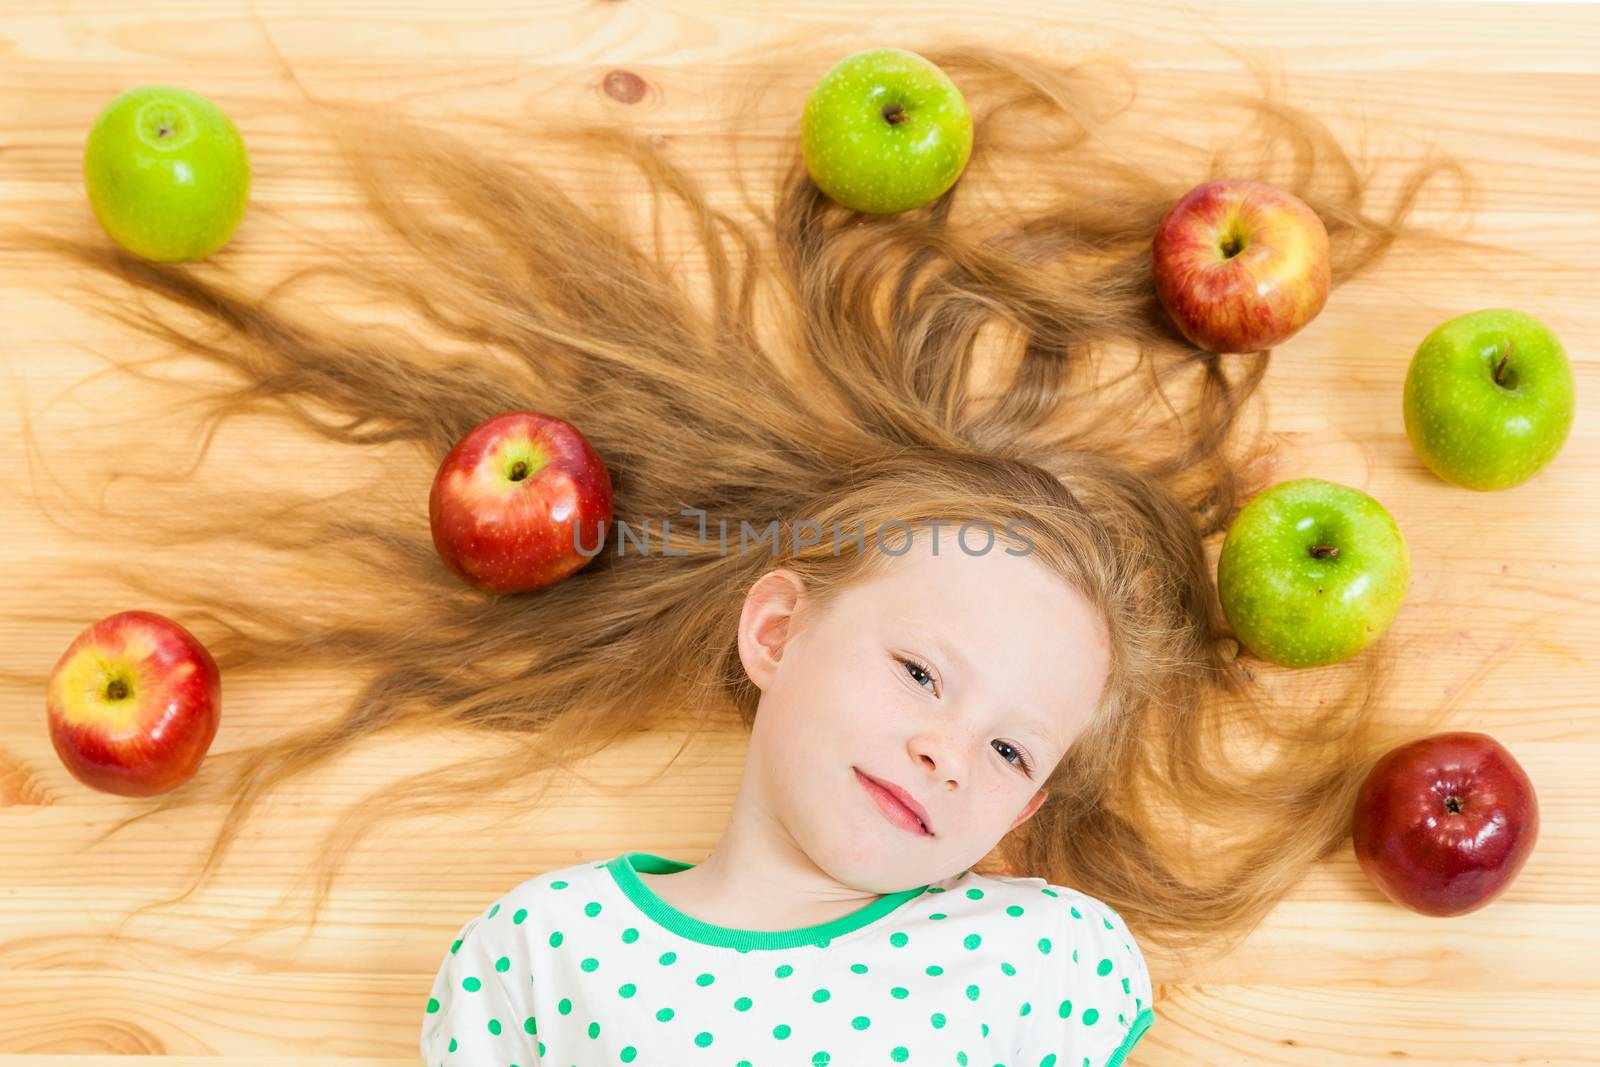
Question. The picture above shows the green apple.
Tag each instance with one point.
(167, 173)
(885, 130)
(1311, 572)
(1488, 399)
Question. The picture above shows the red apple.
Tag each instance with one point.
(133, 704)
(1240, 266)
(515, 500)
(1444, 823)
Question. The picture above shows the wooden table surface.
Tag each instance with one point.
(1336, 976)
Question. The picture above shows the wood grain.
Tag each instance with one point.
(1336, 977)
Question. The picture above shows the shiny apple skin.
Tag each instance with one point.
(1427, 857)
(154, 737)
(505, 534)
(1252, 300)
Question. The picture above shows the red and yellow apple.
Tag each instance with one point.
(133, 704)
(1445, 823)
(1240, 266)
(515, 500)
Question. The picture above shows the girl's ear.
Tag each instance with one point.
(1033, 806)
(765, 624)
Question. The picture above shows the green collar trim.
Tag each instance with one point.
(627, 867)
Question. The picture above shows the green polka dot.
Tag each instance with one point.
(592, 908)
(820, 1059)
(861, 1022)
(934, 969)
(898, 939)
(521, 913)
(971, 941)
(780, 1031)
(784, 970)
(471, 985)
(938, 915)
(666, 958)
(627, 989)
(899, 1054)
(1065, 1010)
(961, 1058)
(1014, 910)
(530, 1025)
(664, 1014)
(433, 1005)
(503, 964)
(1006, 968)
(1050, 892)
(493, 911)
(703, 1038)
(629, 1053)
(594, 1031)
(564, 1006)
(558, 885)
(937, 1019)
(589, 964)
(1076, 914)
(1104, 968)
(820, 995)
(494, 1026)
(1091, 1016)
(1048, 1061)
(1026, 1008)
(972, 992)
(629, 936)
(742, 1004)
(452, 1045)
(899, 992)
(859, 968)
(1044, 945)
(454, 947)
(556, 939)
(974, 894)
(703, 980)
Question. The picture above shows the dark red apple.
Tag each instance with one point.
(1443, 824)
(516, 499)
(133, 704)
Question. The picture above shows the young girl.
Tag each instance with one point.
(908, 719)
(984, 621)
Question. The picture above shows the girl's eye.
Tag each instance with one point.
(920, 674)
(1022, 760)
(914, 669)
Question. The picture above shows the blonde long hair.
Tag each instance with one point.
(822, 365)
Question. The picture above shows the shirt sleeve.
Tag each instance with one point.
(1098, 995)
(480, 1010)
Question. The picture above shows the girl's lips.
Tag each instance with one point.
(895, 811)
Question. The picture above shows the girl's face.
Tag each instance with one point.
(961, 679)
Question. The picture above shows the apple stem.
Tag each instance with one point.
(1500, 368)
(1453, 805)
(519, 471)
(117, 690)
(1232, 246)
(1324, 552)
(893, 115)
